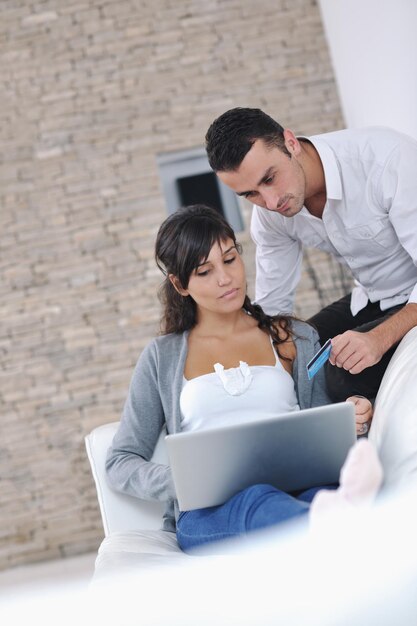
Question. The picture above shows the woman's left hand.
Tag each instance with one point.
(363, 413)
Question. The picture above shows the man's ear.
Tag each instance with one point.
(291, 142)
(177, 286)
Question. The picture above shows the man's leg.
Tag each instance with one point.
(341, 384)
(335, 319)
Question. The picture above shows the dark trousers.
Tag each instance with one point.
(335, 319)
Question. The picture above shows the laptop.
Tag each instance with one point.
(291, 451)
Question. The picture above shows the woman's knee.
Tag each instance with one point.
(252, 496)
(259, 489)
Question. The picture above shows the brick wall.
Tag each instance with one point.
(91, 91)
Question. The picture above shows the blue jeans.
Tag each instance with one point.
(253, 508)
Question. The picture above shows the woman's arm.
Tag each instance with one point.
(363, 413)
(310, 393)
(128, 464)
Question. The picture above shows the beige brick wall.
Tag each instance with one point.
(91, 91)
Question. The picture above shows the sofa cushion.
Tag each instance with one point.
(133, 550)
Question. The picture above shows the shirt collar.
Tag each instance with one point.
(330, 167)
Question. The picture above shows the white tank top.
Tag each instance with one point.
(236, 395)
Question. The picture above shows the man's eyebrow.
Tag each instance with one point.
(265, 176)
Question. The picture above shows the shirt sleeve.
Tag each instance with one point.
(399, 194)
(128, 463)
(278, 263)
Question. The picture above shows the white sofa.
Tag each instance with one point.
(133, 539)
(132, 527)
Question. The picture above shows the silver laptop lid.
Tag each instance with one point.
(291, 451)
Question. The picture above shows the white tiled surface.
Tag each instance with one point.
(77, 569)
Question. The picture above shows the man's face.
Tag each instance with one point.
(270, 178)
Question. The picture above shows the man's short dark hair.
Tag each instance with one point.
(232, 135)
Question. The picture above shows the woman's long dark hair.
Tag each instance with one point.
(183, 242)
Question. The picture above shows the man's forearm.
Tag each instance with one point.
(393, 329)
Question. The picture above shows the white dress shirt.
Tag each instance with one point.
(369, 222)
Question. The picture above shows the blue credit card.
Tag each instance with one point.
(319, 359)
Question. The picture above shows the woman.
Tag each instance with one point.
(220, 359)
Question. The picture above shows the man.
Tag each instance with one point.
(352, 193)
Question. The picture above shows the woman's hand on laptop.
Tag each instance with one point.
(363, 413)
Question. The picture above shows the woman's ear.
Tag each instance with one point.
(177, 285)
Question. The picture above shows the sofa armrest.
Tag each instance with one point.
(394, 426)
(120, 512)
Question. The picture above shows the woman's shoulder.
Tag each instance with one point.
(163, 342)
(299, 330)
(303, 330)
(166, 345)
(161, 356)
(306, 340)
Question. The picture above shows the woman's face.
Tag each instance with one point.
(219, 283)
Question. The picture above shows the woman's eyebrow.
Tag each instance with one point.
(228, 250)
(223, 254)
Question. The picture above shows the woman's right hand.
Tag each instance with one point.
(363, 413)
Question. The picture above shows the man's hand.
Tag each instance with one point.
(363, 413)
(355, 351)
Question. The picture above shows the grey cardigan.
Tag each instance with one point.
(154, 401)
